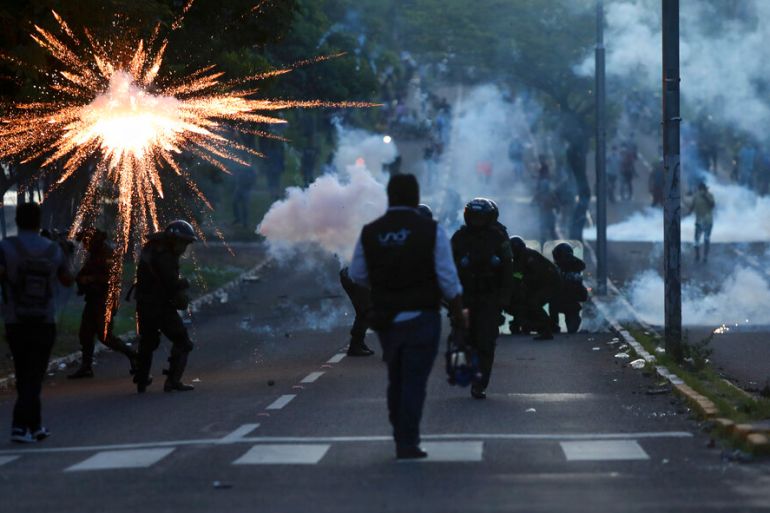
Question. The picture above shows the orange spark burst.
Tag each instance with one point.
(112, 110)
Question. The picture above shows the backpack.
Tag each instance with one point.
(32, 290)
(478, 258)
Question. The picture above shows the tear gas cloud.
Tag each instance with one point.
(741, 299)
(332, 210)
(723, 72)
(476, 161)
(740, 216)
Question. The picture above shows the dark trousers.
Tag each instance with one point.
(92, 327)
(152, 320)
(534, 307)
(410, 349)
(482, 336)
(571, 311)
(360, 298)
(31, 346)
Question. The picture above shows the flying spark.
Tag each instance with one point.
(119, 110)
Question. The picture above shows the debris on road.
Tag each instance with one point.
(219, 485)
(659, 390)
(622, 356)
(531, 410)
(638, 364)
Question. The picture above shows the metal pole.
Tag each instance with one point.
(601, 156)
(671, 165)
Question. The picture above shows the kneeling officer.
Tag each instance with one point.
(160, 292)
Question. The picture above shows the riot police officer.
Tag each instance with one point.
(360, 298)
(539, 281)
(571, 291)
(485, 265)
(160, 293)
(93, 283)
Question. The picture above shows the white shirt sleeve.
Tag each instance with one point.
(448, 280)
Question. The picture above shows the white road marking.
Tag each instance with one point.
(357, 439)
(279, 454)
(312, 377)
(453, 451)
(554, 398)
(139, 458)
(337, 358)
(603, 450)
(238, 433)
(7, 459)
(281, 402)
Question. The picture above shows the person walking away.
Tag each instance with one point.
(96, 322)
(539, 283)
(627, 171)
(406, 260)
(485, 264)
(571, 291)
(702, 205)
(160, 293)
(30, 266)
(545, 200)
(656, 185)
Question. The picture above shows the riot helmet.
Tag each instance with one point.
(561, 251)
(497, 210)
(181, 231)
(479, 213)
(425, 210)
(517, 244)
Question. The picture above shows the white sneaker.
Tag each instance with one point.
(41, 434)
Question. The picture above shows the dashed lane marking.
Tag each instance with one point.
(7, 459)
(357, 439)
(603, 450)
(554, 398)
(281, 402)
(239, 433)
(337, 358)
(312, 377)
(139, 458)
(281, 454)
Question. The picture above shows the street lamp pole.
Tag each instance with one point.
(671, 163)
(601, 156)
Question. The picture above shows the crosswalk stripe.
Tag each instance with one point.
(282, 454)
(281, 402)
(453, 451)
(603, 450)
(7, 459)
(139, 458)
(238, 433)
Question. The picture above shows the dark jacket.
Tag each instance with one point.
(484, 263)
(157, 276)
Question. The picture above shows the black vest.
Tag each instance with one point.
(399, 250)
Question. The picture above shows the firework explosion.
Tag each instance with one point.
(116, 109)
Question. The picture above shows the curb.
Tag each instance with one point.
(217, 296)
(755, 437)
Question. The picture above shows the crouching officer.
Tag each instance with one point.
(160, 292)
(539, 283)
(485, 265)
(93, 283)
(571, 290)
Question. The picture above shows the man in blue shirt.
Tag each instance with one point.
(406, 260)
(30, 266)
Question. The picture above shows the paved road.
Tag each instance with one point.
(565, 428)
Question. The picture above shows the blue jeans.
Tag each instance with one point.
(410, 348)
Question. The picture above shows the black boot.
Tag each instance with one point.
(142, 383)
(359, 348)
(84, 371)
(176, 366)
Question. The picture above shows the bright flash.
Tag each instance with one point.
(387, 139)
(122, 112)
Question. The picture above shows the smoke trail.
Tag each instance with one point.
(331, 212)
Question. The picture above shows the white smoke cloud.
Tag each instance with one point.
(723, 72)
(741, 299)
(740, 216)
(331, 212)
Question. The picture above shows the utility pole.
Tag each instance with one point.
(671, 162)
(601, 156)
